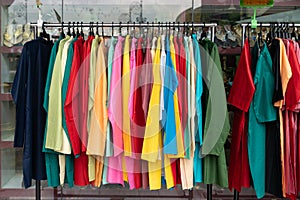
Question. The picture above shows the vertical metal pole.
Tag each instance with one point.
(193, 5)
(213, 34)
(37, 190)
(209, 191)
(62, 10)
(243, 34)
(235, 195)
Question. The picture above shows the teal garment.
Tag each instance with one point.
(199, 89)
(215, 117)
(51, 157)
(187, 135)
(109, 145)
(261, 111)
(197, 166)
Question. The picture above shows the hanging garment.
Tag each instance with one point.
(261, 111)
(215, 114)
(274, 173)
(91, 95)
(138, 121)
(186, 164)
(51, 157)
(169, 123)
(292, 97)
(283, 71)
(129, 162)
(28, 94)
(175, 163)
(198, 176)
(56, 138)
(84, 90)
(240, 96)
(72, 111)
(108, 145)
(153, 138)
(115, 171)
(125, 97)
(69, 158)
(146, 78)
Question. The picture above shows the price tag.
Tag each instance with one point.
(256, 3)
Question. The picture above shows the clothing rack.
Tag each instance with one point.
(121, 25)
(244, 25)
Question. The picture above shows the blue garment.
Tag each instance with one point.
(170, 85)
(28, 94)
(261, 111)
(199, 89)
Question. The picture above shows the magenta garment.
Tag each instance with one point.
(115, 107)
(132, 75)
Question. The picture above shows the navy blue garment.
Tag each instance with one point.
(28, 95)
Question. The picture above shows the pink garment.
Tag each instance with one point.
(130, 162)
(115, 107)
(115, 170)
(132, 75)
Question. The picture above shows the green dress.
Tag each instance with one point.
(261, 111)
(215, 117)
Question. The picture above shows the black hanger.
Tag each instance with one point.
(77, 30)
(74, 33)
(62, 34)
(92, 29)
(44, 34)
(203, 34)
(102, 30)
(97, 28)
(128, 28)
(158, 30)
(69, 29)
(81, 31)
(120, 29)
(133, 29)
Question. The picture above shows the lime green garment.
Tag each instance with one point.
(216, 124)
(56, 138)
(51, 157)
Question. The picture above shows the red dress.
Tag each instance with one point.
(240, 97)
(72, 110)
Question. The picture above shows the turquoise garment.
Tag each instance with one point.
(187, 135)
(109, 146)
(170, 85)
(261, 111)
(197, 166)
(199, 89)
